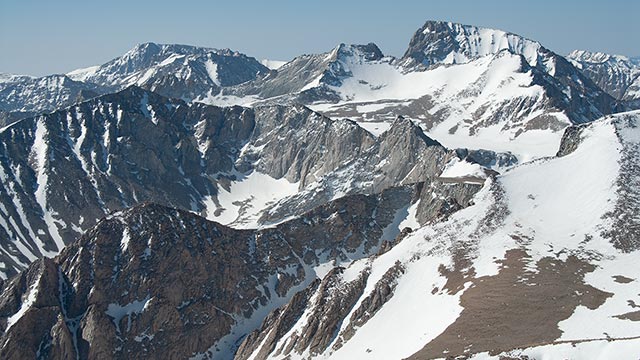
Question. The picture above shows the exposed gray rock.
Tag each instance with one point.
(301, 145)
(487, 158)
(570, 140)
(276, 325)
(402, 155)
(65, 170)
(442, 197)
(382, 292)
(103, 155)
(330, 301)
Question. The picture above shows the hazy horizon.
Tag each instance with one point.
(39, 38)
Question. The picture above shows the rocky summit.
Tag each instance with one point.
(476, 198)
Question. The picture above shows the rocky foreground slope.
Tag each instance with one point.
(157, 282)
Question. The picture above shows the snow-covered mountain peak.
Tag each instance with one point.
(150, 49)
(30, 95)
(83, 73)
(358, 53)
(158, 66)
(439, 42)
(344, 57)
(616, 74)
(583, 58)
(5, 77)
(592, 57)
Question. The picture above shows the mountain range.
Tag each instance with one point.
(477, 197)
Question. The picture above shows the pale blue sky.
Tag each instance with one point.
(56, 36)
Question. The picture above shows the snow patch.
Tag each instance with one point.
(461, 168)
(117, 312)
(273, 64)
(26, 305)
(248, 196)
(212, 71)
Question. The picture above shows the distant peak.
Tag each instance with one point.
(595, 57)
(402, 127)
(368, 52)
(151, 49)
(147, 45)
(439, 42)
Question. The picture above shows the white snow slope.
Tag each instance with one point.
(458, 104)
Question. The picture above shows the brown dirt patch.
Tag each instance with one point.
(517, 307)
(622, 279)
(459, 274)
(633, 316)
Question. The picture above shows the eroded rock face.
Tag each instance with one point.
(333, 301)
(383, 291)
(403, 155)
(327, 303)
(487, 158)
(301, 145)
(63, 171)
(276, 325)
(441, 198)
